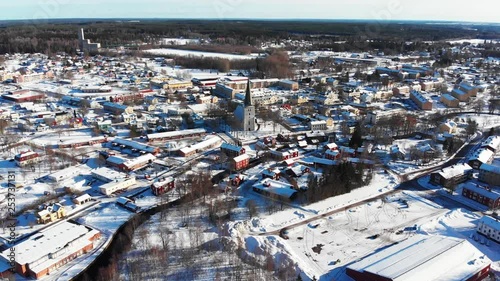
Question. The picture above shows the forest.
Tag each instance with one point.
(61, 35)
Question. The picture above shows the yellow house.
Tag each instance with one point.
(170, 83)
(52, 213)
(177, 84)
(449, 127)
(299, 99)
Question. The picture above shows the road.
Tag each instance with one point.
(458, 157)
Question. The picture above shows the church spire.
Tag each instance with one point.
(248, 96)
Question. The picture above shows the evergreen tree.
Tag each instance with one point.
(491, 132)
(356, 138)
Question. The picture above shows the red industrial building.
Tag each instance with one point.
(23, 96)
(78, 143)
(425, 257)
(44, 252)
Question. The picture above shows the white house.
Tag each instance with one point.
(489, 227)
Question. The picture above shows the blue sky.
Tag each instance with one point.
(452, 10)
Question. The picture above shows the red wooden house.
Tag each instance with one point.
(240, 162)
(162, 186)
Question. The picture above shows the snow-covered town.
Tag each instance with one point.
(352, 166)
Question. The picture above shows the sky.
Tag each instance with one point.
(442, 10)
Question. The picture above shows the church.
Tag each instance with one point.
(245, 113)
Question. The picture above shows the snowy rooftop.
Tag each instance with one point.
(483, 155)
(241, 158)
(419, 96)
(135, 145)
(161, 182)
(175, 133)
(47, 241)
(210, 142)
(490, 168)
(425, 258)
(448, 97)
(141, 159)
(107, 173)
(455, 170)
(275, 187)
(493, 194)
(491, 222)
(230, 147)
(459, 92)
(492, 141)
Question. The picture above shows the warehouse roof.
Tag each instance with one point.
(425, 258)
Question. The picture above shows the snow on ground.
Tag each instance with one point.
(107, 219)
(68, 135)
(193, 251)
(380, 183)
(471, 41)
(188, 53)
(323, 247)
(457, 194)
(407, 144)
(484, 121)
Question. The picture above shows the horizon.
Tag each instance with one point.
(346, 20)
(322, 10)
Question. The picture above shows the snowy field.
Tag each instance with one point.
(324, 247)
(484, 121)
(471, 41)
(187, 53)
(380, 183)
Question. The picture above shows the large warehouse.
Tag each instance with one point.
(51, 248)
(423, 258)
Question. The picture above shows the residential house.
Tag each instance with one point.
(489, 174)
(162, 186)
(449, 127)
(487, 196)
(450, 177)
(51, 213)
(489, 227)
(240, 162)
(315, 125)
(273, 174)
(449, 101)
(420, 100)
(460, 95)
(232, 150)
(481, 156)
(492, 143)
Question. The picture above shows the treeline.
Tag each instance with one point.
(337, 180)
(275, 65)
(56, 36)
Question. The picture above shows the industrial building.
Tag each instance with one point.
(51, 248)
(422, 257)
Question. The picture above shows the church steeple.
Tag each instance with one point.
(248, 96)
